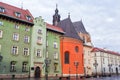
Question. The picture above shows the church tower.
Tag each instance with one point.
(56, 17)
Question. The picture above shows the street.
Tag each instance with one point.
(101, 78)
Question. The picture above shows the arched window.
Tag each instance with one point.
(66, 58)
(77, 49)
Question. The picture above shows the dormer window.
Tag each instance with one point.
(28, 18)
(2, 10)
(17, 14)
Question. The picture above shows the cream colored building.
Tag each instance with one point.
(104, 62)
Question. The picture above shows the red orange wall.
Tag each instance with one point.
(69, 44)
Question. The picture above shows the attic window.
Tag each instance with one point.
(17, 14)
(28, 18)
(2, 10)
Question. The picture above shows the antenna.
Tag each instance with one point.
(21, 5)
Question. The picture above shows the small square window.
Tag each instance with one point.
(1, 23)
(39, 31)
(16, 26)
(2, 10)
(17, 14)
(39, 40)
(28, 18)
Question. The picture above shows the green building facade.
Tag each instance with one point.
(15, 41)
(53, 50)
(38, 48)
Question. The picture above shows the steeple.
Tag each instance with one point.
(56, 17)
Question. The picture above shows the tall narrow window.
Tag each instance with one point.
(1, 33)
(66, 57)
(16, 36)
(26, 39)
(55, 66)
(12, 66)
(55, 44)
(39, 53)
(14, 50)
(55, 55)
(26, 51)
(24, 67)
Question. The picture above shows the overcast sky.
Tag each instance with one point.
(101, 18)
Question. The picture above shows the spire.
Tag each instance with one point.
(56, 16)
(68, 15)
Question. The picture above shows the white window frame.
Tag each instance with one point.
(15, 50)
(28, 18)
(24, 67)
(55, 45)
(17, 14)
(13, 67)
(39, 31)
(16, 26)
(15, 36)
(55, 55)
(2, 9)
(26, 39)
(1, 23)
(39, 40)
(1, 33)
(39, 53)
(25, 51)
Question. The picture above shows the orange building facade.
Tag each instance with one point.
(74, 49)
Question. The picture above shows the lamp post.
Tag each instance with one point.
(96, 64)
(47, 62)
(76, 63)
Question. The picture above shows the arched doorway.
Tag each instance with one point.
(37, 72)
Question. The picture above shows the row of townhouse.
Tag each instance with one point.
(30, 47)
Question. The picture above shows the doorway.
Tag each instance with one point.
(37, 72)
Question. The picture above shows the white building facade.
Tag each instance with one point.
(105, 62)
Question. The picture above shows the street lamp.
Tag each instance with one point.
(96, 64)
(47, 62)
(76, 63)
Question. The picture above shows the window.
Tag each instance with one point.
(16, 26)
(55, 66)
(55, 55)
(26, 39)
(12, 66)
(26, 51)
(39, 31)
(39, 40)
(1, 33)
(27, 29)
(1, 23)
(39, 53)
(24, 67)
(28, 18)
(17, 14)
(2, 10)
(77, 49)
(47, 55)
(66, 58)
(14, 50)
(16, 36)
(55, 44)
